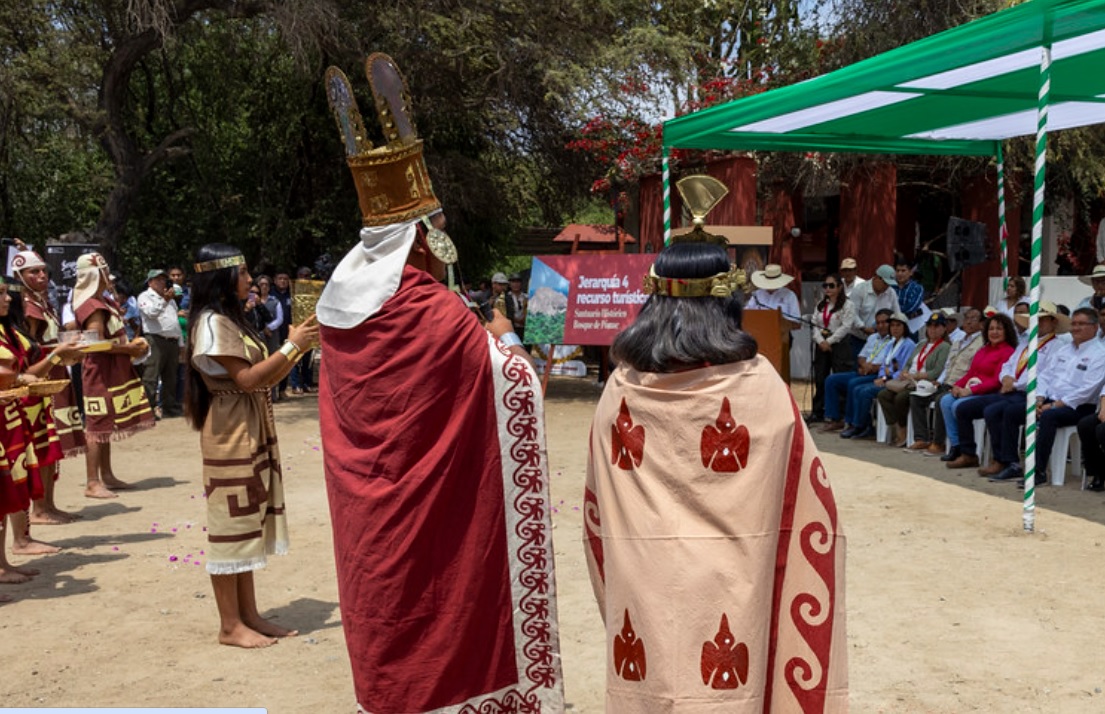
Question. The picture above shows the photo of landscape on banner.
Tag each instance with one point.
(584, 299)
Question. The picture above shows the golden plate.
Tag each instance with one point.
(101, 346)
(13, 393)
(46, 387)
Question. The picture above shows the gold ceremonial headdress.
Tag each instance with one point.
(392, 183)
(700, 194)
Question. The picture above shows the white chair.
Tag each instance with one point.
(882, 429)
(909, 429)
(1066, 442)
(982, 441)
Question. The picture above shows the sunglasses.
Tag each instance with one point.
(828, 285)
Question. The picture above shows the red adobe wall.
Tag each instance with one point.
(738, 208)
(980, 203)
(868, 215)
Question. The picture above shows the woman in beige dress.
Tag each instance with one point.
(228, 400)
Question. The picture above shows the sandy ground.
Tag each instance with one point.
(951, 606)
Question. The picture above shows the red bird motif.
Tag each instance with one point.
(724, 666)
(627, 441)
(724, 443)
(629, 653)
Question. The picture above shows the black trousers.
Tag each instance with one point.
(1091, 432)
(838, 359)
(162, 367)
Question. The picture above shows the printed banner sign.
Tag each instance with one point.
(584, 299)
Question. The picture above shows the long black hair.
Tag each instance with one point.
(215, 291)
(1007, 326)
(841, 297)
(675, 333)
(16, 322)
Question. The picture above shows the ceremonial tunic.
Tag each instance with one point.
(63, 405)
(242, 478)
(37, 418)
(115, 404)
(714, 547)
(437, 474)
(20, 479)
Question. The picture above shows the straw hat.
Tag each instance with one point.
(848, 264)
(499, 278)
(1047, 309)
(771, 277)
(951, 314)
(1098, 272)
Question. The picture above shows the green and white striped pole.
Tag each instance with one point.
(1002, 228)
(665, 171)
(1030, 466)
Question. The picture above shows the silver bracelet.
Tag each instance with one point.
(511, 340)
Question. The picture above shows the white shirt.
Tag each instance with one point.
(956, 335)
(782, 299)
(1044, 358)
(849, 288)
(158, 315)
(1077, 374)
(868, 302)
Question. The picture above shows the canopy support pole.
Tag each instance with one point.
(665, 170)
(1030, 465)
(1003, 230)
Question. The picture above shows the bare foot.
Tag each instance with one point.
(97, 490)
(115, 484)
(66, 515)
(12, 577)
(242, 636)
(49, 519)
(34, 547)
(271, 629)
(30, 572)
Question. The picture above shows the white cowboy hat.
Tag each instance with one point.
(951, 314)
(1098, 272)
(771, 277)
(925, 388)
(1047, 309)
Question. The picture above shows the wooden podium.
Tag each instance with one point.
(772, 334)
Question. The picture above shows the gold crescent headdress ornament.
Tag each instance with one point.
(392, 183)
(700, 194)
(219, 263)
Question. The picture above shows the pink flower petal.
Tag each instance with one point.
(172, 558)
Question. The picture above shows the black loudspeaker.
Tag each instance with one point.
(966, 243)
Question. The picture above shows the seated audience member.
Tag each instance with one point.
(1096, 280)
(925, 362)
(1021, 308)
(955, 319)
(858, 416)
(928, 441)
(870, 359)
(1015, 292)
(1068, 393)
(1004, 411)
(984, 377)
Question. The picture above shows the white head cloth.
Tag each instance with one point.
(367, 276)
(90, 268)
(26, 259)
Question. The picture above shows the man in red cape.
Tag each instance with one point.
(436, 468)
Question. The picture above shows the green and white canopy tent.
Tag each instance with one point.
(1031, 69)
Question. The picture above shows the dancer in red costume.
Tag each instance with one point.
(43, 326)
(435, 458)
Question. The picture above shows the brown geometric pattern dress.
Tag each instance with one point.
(66, 415)
(241, 460)
(115, 404)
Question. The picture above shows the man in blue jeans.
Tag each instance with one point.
(840, 384)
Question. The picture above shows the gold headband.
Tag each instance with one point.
(14, 287)
(720, 285)
(220, 263)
